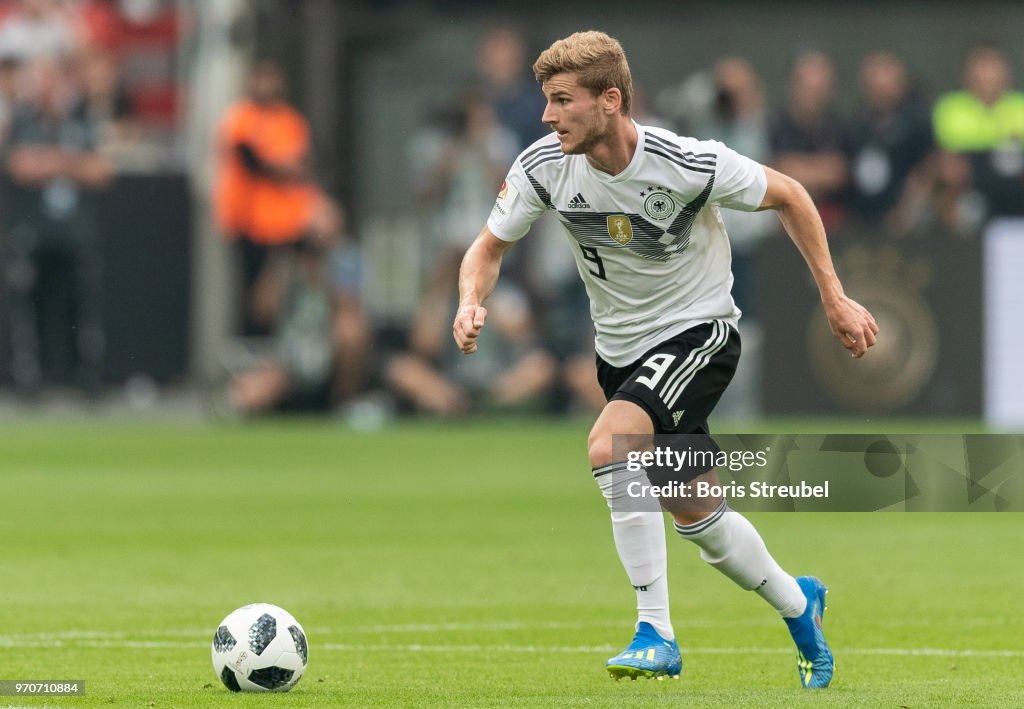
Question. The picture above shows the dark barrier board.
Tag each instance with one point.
(926, 298)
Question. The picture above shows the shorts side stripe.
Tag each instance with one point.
(688, 362)
(705, 359)
(698, 359)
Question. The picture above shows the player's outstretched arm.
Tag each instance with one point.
(477, 278)
(849, 320)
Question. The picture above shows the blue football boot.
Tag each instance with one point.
(814, 660)
(649, 655)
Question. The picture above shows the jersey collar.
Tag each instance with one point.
(631, 168)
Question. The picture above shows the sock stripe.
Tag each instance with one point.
(610, 468)
(689, 530)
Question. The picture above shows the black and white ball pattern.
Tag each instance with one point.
(260, 648)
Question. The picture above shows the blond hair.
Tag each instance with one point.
(597, 58)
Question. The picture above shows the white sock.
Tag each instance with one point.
(640, 541)
(730, 543)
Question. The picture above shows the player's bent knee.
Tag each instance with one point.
(600, 450)
(618, 418)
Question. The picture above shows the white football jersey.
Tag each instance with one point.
(649, 242)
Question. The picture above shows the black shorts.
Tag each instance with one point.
(679, 381)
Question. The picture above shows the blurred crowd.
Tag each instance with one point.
(897, 161)
(68, 121)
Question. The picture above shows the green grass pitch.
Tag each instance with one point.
(464, 565)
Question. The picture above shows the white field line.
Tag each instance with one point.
(8, 641)
(396, 628)
(340, 630)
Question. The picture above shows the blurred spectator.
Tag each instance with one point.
(322, 340)
(985, 123)
(106, 100)
(511, 371)
(263, 198)
(987, 112)
(888, 147)
(807, 137)
(37, 29)
(352, 335)
(461, 171)
(52, 262)
(739, 116)
(510, 86)
(954, 206)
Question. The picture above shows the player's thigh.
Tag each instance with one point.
(618, 418)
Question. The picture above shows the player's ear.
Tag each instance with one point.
(612, 100)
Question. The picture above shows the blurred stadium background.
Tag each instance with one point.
(136, 274)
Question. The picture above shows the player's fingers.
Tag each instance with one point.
(466, 325)
(869, 337)
(472, 318)
(859, 343)
(870, 320)
(870, 326)
(466, 338)
(850, 341)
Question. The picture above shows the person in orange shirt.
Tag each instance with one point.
(263, 197)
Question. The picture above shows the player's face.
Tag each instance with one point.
(574, 113)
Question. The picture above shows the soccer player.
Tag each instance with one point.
(641, 210)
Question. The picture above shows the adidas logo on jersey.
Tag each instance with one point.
(677, 416)
(578, 202)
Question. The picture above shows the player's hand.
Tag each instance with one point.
(469, 320)
(852, 324)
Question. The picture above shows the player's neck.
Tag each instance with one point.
(615, 152)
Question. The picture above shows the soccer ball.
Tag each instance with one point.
(260, 648)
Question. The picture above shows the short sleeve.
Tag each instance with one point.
(516, 207)
(740, 183)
